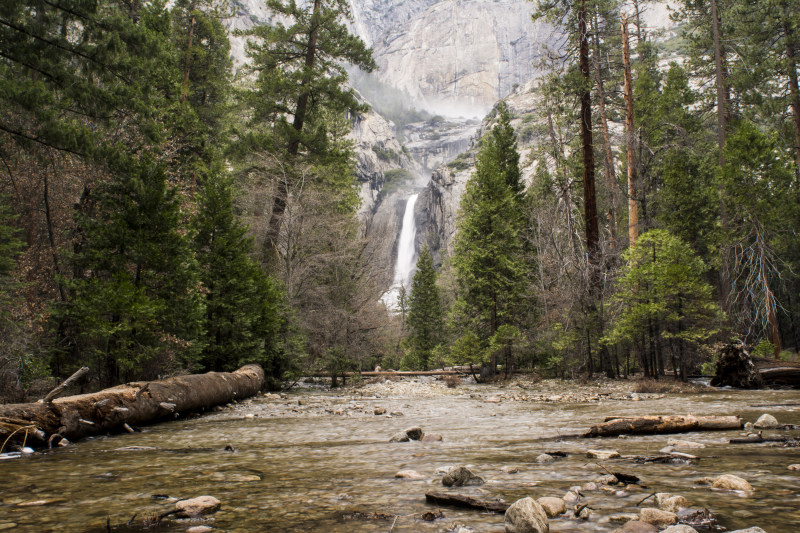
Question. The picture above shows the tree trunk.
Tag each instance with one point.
(656, 425)
(282, 189)
(589, 194)
(187, 64)
(794, 90)
(611, 176)
(630, 137)
(109, 410)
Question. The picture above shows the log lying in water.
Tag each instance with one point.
(651, 425)
(460, 500)
(736, 368)
(137, 403)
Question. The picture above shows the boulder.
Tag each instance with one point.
(461, 476)
(681, 528)
(552, 506)
(526, 516)
(409, 474)
(602, 454)
(379, 411)
(766, 421)
(795, 467)
(545, 458)
(657, 517)
(731, 482)
(194, 507)
(635, 526)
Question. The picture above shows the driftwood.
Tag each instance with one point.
(652, 425)
(121, 407)
(460, 500)
(69, 381)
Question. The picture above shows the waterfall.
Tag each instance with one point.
(406, 257)
(406, 254)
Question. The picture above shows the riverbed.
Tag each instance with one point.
(316, 460)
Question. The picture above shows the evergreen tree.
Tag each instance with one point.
(242, 306)
(300, 83)
(488, 255)
(10, 248)
(663, 297)
(425, 316)
(135, 310)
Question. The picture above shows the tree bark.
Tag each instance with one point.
(109, 410)
(589, 194)
(656, 425)
(794, 90)
(630, 136)
(282, 189)
(187, 64)
(611, 176)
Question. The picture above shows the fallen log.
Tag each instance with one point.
(653, 425)
(460, 500)
(138, 403)
(736, 368)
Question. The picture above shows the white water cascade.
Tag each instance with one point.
(406, 256)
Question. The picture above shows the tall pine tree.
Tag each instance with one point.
(425, 316)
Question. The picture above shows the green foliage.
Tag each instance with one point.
(425, 314)
(10, 247)
(488, 257)
(662, 282)
(242, 306)
(135, 306)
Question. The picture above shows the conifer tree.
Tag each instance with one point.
(488, 256)
(300, 83)
(242, 306)
(10, 248)
(425, 316)
(135, 310)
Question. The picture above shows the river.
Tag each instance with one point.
(308, 461)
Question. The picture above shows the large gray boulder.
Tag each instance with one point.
(766, 421)
(526, 516)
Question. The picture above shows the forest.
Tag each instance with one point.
(165, 211)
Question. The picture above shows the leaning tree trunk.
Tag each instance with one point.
(113, 409)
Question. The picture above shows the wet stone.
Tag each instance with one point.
(602, 454)
(526, 516)
(199, 529)
(731, 482)
(552, 506)
(545, 459)
(409, 474)
(7, 525)
(432, 437)
(796, 467)
(509, 469)
(194, 507)
(657, 517)
(766, 421)
(635, 526)
(680, 528)
(461, 476)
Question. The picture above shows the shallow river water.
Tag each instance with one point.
(309, 467)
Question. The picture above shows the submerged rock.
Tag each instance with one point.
(602, 454)
(680, 528)
(194, 507)
(409, 474)
(414, 433)
(671, 502)
(749, 530)
(545, 458)
(526, 516)
(794, 467)
(199, 529)
(432, 437)
(635, 526)
(461, 476)
(677, 443)
(731, 482)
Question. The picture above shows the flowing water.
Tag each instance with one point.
(308, 461)
(406, 256)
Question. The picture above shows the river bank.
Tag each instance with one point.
(320, 460)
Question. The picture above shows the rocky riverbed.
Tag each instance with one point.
(320, 460)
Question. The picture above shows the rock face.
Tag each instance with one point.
(465, 54)
(526, 516)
